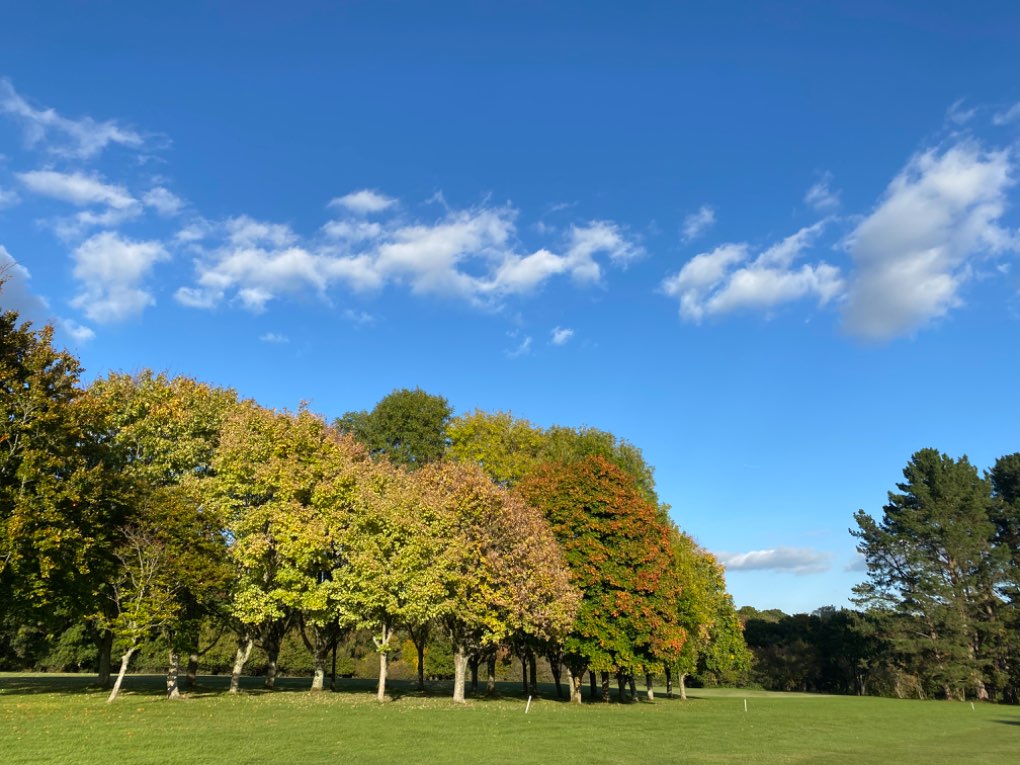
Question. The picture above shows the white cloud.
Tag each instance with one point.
(793, 560)
(81, 139)
(914, 252)
(469, 254)
(560, 335)
(697, 223)
(521, 349)
(1011, 114)
(726, 279)
(821, 197)
(275, 338)
(361, 318)
(958, 115)
(244, 231)
(77, 188)
(363, 202)
(111, 270)
(78, 332)
(163, 201)
(353, 231)
(8, 198)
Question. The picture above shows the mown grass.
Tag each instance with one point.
(60, 719)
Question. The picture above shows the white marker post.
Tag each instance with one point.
(745, 705)
(528, 705)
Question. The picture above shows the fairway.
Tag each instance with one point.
(58, 719)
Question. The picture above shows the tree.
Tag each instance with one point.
(163, 433)
(62, 502)
(933, 569)
(284, 482)
(500, 567)
(505, 447)
(407, 426)
(1005, 480)
(615, 546)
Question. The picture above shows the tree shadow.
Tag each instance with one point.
(154, 686)
(1007, 722)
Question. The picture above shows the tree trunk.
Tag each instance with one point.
(633, 687)
(556, 669)
(592, 685)
(473, 665)
(576, 679)
(532, 674)
(669, 681)
(244, 646)
(332, 672)
(274, 654)
(192, 669)
(382, 645)
(380, 693)
(621, 683)
(421, 665)
(459, 666)
(490, 684)
(124, 661)
(648, 686)
(681, 678)
(605, 687)
(524, 673)
(173, 690)
(105, 645)
(420, 637)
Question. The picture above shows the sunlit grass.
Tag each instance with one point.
(60, 719)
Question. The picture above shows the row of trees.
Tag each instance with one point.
(145, 506)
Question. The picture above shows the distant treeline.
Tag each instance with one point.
(940, 611)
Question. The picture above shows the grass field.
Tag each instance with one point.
(60, 719)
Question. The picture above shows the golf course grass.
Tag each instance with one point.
(61, 719)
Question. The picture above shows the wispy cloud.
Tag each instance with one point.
(697, 223)
(561, 335)
(77, 189)
(793, 560)
(275, 338)
(821, 197)
(1012, 114)
(729, 279)
(363, 202)
(917, 248)
(8, 197)
(521, 349)
(81, 138)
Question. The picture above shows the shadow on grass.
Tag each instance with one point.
(1007, 722)
(27, 684)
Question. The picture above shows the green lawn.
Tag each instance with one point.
(59, 719)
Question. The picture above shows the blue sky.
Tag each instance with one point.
(773, 245)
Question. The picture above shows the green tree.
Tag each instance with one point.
(934, 569)
(284, 483)
(62, 504)
(163, 433)
(407, 426)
